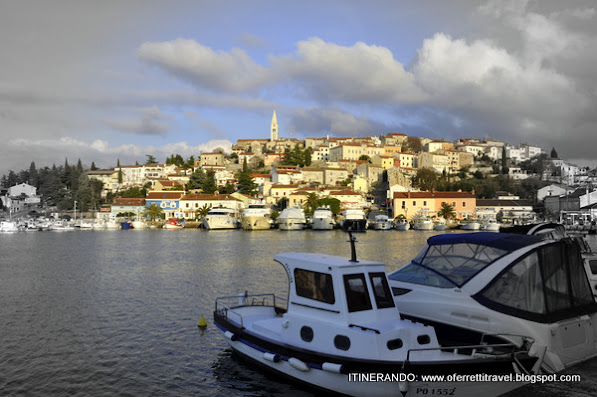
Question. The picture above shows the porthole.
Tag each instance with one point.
(394, 344)
(342, 342)
(307, 333)
(423, 339)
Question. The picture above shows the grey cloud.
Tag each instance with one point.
(151, 122)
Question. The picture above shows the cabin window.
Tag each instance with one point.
(381, 290)
(394, 344)
(423, 339)
(593, 265)
(357, 295)
(307, 333)
(547, 285)
(342, 342)
(314, 285)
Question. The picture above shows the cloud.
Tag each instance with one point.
(249, 40)
(151, 122)
(45, 152)
(333, 121)
(232, 71)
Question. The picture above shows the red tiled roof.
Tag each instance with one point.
(138, 202)
(420, 195)
(213, 197)
(164, 195)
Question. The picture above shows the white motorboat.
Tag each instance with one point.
(257, 217)
(174, 224)
(422, 222)
(8, 227)
(61, 226)
(221, 218)
(470, 225)
(439, 225)
(354, 219)
(138, 224)
(402, 224)
(83, 224)
(341, 329)
(112, 225)
(382, 222)
(512, 286)
(292, 219)
(490, 225)
(98, 224)
(323, 219)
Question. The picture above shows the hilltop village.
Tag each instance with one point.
(391, 173)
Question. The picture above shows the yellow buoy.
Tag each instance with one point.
(202, 322)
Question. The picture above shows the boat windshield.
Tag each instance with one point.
(448, 266)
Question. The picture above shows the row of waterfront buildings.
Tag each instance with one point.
(343, 168)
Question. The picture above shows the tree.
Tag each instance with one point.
(312, 203)
(93, 167)
(203, 211)
(364, 157)
(413, 144)
(150, 159)
(425, 179)
(246, 183)
(196, 180)
(504, 161)
(447, 211)
(209, 185)
(120, 178)
(554, 154)
(333, 203)
(152, 212)
(33, 175)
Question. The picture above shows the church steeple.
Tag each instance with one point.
(274, 128)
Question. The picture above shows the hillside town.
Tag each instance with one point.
(393, 174)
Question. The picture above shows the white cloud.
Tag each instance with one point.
(232, 71)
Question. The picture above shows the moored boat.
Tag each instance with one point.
(323, 219)
(340, 326)
(257, 217)
(402, 224)
(292, 219)
(221, 218)
(8, 227)
(382, 222)
(510, 286)
(354, 219)
(173, 223)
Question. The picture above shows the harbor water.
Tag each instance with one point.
(115, 313)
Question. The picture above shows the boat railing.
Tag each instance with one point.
(481, 348)
(226, 305)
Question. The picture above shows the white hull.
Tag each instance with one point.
(219, 222)
(112, 225)
(323, 224)
(291, 224)
(256, 223)
(425, 225)
(139, 225)
(172, 227)
(403, 226)
(439, 227)
(471, 226)
(382, 226)
(339, 383)
(8, 227)
(491, 227)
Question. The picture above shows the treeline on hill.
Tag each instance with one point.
(60, 186)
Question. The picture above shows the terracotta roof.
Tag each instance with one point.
(261, 176)
(279, 186)
(164, 195)
(129, 201)
(416, 195)
(213, 197)
(503, 203)
(344, 193)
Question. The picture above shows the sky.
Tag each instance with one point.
(120, 80)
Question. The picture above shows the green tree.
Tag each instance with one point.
(153, 212)
(209, 186)
(33, 175)
(447, 211)
(425, 179)
(308, 157)
(333, 203)
(202, 212)
(246, 184)
(93, 167)
(364, 157)
(197, 179)
(150, 159)
(553, 154)
(312, 203)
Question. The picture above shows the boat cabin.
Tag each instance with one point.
(520, 275)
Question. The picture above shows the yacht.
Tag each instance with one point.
(138, 224)
(112, 224)
(470, 225)
(323, 219)
(402, 224)
(292, 219)
(257, 217)
(382, 222)
(511, 287)
(422, 222)
(339, 326)
(221, 218)
(439, 224)
(8, 227)
(354, 220)
(490, 225)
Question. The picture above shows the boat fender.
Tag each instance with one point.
(403, 386)
(331, 367)
(298, 364)
(230, 336)
(271, 357)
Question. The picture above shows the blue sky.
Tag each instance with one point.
(103, 81)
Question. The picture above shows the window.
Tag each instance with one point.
(404, 204)
(357, 295)
(314, 285)
(307, 333)
(342, 342)
(464, 203)
(381, 290)
(424, 203)
(394, 344)
(414, 203)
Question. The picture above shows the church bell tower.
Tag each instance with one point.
(274, 128)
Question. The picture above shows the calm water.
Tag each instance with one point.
(114, 313)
